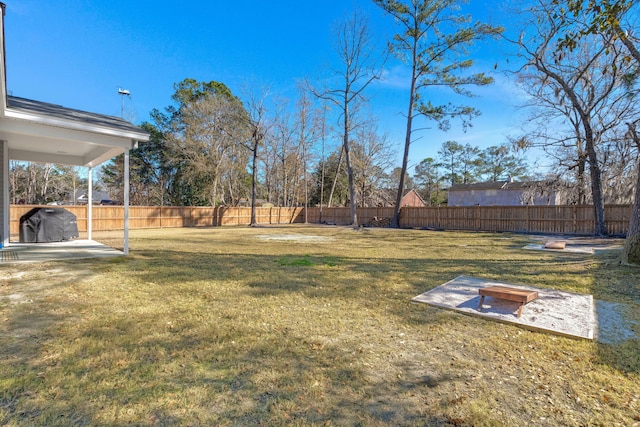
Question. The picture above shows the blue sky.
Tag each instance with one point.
(77, 53)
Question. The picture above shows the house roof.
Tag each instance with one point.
(48, 133)
(70, 114)
(497, 185)
(388, 195)
(413, 190)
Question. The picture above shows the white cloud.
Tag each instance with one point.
(395, 77)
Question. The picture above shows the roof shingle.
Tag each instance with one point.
(60, 112)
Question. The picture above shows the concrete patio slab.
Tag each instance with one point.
(567, 249)
(575, 245)
(557, 312)
(55, 251)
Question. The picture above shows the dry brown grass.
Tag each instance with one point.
(229, 326)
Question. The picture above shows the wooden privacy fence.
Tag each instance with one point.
(112, 217)
(576, 220)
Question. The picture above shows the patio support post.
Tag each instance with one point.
(126, 202)
(90, 204)
(4, 193)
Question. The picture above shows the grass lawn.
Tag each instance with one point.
(249, 326)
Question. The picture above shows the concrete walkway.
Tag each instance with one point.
(55, 251)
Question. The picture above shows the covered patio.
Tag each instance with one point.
(24, 253)
(35, 131)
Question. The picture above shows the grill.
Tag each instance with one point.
(43, 225)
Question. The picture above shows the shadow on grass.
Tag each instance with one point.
(122, 365)
(34, 312)
(619, 285)
(319, 277)
(230, 338)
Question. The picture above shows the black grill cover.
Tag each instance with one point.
(41, 225)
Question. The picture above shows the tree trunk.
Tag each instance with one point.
(395, 221)
(335, 177)
(596, 187)
(254, 168)
(600, 228)
(582, 197)
(46, 174)
(631, 251)
(283, 165)
(347, 156)
(352, 192)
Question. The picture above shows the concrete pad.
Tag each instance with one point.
(569, 249)
(294, 238)
(562, 313)
(55, 251)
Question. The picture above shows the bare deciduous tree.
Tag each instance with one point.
(372, 156)
(257, 127)
(361, 66)
(307, 126)
(40, 183)
(612, 20)
(578, 91)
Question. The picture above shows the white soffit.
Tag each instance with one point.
(48, 133)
